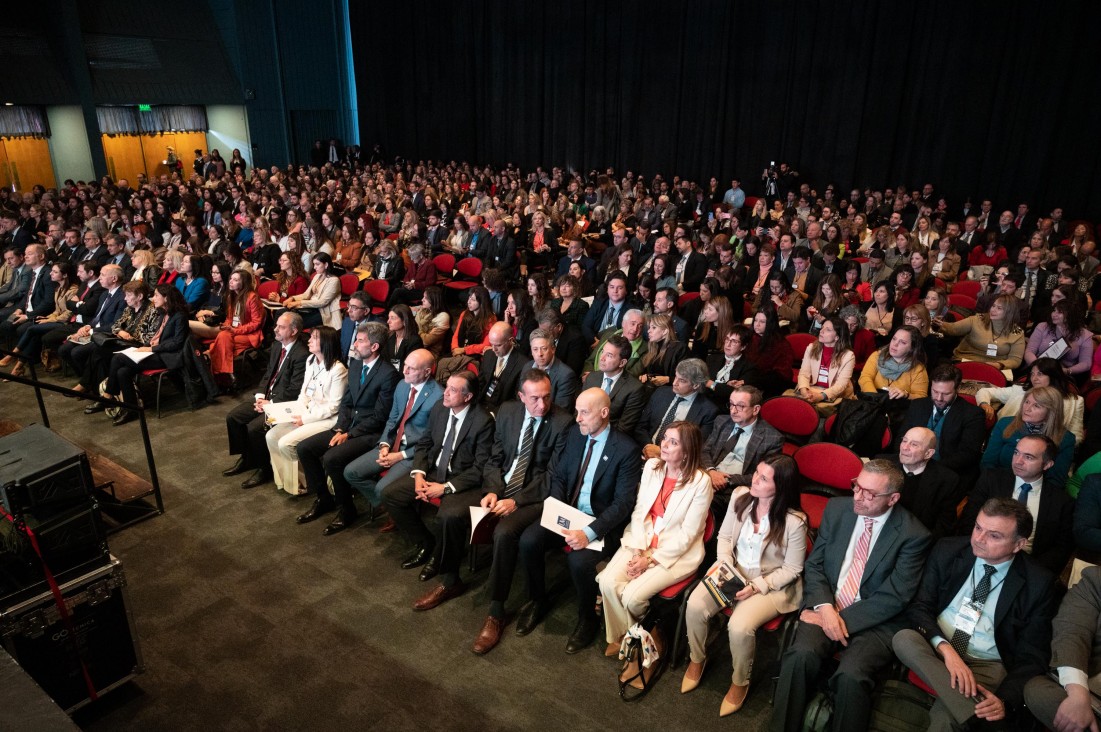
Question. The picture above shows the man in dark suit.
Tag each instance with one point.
(738, 443)
(692, 267)
(564, 381)
(501, 253)
(683, 399)
(570, 346)
(980, 626)
(448, 464)
(627, 394)
(416, 199)
(732, 367)
(364, 410)
(575, 252)
(665, 303)
(414, 397)
(111, 305)
(862, 573)
(83, 305)
(1076, 657)
(931, 491)
(436, 234)
(20, 278)
(116, 254)
(804, 277)
(1037, 287)
(955, 421)
(359, 307)
(37, 299)
(94, 249)
(1051, 507)
(529, 435)
(282, 381)
(606, 312)
(598, 473)
(502, 364)
(479, 238)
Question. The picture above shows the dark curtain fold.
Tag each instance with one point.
(23, 122)
(985, 99)
(160, 118)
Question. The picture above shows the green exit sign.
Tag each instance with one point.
(145, 108)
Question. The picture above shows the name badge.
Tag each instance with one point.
(992, 350)
(968, 616)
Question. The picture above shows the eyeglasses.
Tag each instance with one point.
(866, 492)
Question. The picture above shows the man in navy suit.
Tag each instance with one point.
(414, 398)
(479, 238)
(683, 399)
(543, 356)
(359, 307)
(575, 252)
(598, 473)
(20, 279)
(606, 312)
(436, 234)
(111, 306)
(359, 424)
(94, 249)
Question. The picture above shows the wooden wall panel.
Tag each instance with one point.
(5, 171)
(28, 162)
(124, 157)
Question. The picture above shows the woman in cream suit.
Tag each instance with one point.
(663, 543)
(320, 303)
(323, 387)
(825, 376)
(764, 535)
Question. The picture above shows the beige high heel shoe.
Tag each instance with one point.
(692, 676)
(734, 699)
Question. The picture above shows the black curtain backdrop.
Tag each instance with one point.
(985, 99)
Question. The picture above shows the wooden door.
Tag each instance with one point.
(28, 163)
(125, 158)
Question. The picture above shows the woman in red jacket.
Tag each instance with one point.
(242, 327)
(771, 353)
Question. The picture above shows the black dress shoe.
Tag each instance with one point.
(584, 633)
(93, 408)
(429, 570)
(260, 477)
(342, 521)
(124, 417)
(419, 556)
(531, 614)
(317, 510)
(238, 468)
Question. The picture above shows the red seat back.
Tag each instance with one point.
(799, 343)
(828, 464)
(976, 371)
(790, 415)
(969, 288)
(963, 301)
(349, 283)
(377, 290)
(687, 298)
(267, 289)
(445, 264)
(469, 268)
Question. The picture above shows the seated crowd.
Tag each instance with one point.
(471, 338)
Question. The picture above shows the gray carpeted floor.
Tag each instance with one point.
(251, 622)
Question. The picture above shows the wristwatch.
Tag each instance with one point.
(449, 489)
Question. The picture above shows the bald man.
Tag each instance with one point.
(598, 473)
(931, 491)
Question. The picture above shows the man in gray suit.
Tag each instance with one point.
(1076, 657)
(563, 379)
(627, 393)
(737, 443)
(414, 398)
(858, 579)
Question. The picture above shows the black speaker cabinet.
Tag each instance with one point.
(95, 651)
(42, 473)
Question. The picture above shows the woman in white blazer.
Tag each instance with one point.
(825, 386)
(764, 536)
(320, 303)
(663, 543)
(323, 387)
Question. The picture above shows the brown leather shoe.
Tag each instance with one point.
(438, 595)
(387, 527)
(489, 636)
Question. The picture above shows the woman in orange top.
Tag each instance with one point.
(471, 335)
(242, 327)
(348, 250)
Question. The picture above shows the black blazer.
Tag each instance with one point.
(932, 497)
(110, 308)
(364, 409)
(291, 375)
(695, 270)
(744, 370)
(702, 412)
(763, 441)
(1053, 541)
(628, 399)
(470, 454)
(501, 254)
(394, 352)
(88, 298)
(964, 429)
(174, 335)
(891, 575)
(572, 349)
(1022, 618)
(42, 297)
(615, 483)
(667, 364)
(507, 385)
(563, 382)
(547, 445)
